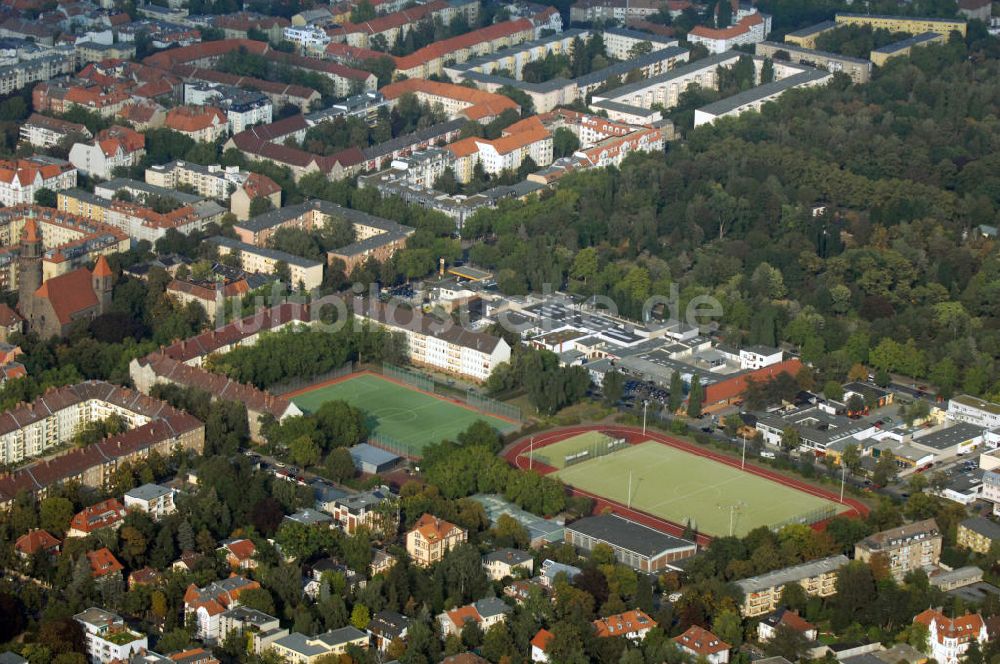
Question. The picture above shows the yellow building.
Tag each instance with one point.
(298, 648)
(762, 594)
(978, 534)
(903, 47)
(914, 25)
(806, 37)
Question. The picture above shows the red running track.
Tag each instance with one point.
(515, 455)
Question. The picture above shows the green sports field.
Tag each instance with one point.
(413, 418)
(555, 454)
(681, 487)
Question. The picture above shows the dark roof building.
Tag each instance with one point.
(635, 545)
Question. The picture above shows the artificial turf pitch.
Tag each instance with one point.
(404, 414)
(683, 487)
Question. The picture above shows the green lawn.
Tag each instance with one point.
(412, 418)
(679, 486)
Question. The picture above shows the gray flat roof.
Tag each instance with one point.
(950, 436)
(267, 252)
(677, 72)
(813, 29)
(794, 48)
(365, 453)
(621, 68)
(729, 104)
(640, 35)
(915, 40)
(148, 492)
(983, 526)
(900, 18)
(628, 535)
(792, 574)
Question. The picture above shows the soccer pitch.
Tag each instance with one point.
(411, 417)
(681, 487)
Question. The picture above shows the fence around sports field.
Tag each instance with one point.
(295, 384)
(808, 518)
(472, 399)
(600, 449)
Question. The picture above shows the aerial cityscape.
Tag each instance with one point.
(499, 331)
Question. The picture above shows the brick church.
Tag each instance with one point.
(51, 307)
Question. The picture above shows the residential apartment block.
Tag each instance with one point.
(978, 534)
(485, 613)
(966, 408)
(262, 260)
(107, 637)
(914, 25)
(762, 594)
(113, 147)
(906, 548)
(21, 179)
(859, 69)
(207, 604)
(298, 648)
(430, 538)
(438, 344)
(42, 131)
(375, 509)
(750, 29)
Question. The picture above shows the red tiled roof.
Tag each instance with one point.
(623, 623)
(9, 317)
(101, 267)
(272, 87)
(740, 28)
(701, 642)
(481, 103)
(434, 529)
(324, 66)
(190, 119)
(394, 20)
(144, 576)
(259, 185)
(242, 549)
(245, 21)
(34, 541)
(794, 621)
(213, 340)
(541, 639)
(212, 49)
(464, 614)
(446, 46)
(69, 294)
(100, 515)
(103, 562)
(217, 385)
(341, 51)
(963, 628)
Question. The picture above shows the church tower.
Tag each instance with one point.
(29, 273)
(102, 280)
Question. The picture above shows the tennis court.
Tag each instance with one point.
(408, 417)
(681, 487)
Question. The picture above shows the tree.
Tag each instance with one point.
(564, 143)
(613, 387)
(788, 643)
(833, 390)
(339, 464)
(793, 596)
(886, 469)
(472, 634)
(851, 458)
(260, 205)
(855, 405)
(695, 397)
(791, 440)
(360, 616)
(728, 626)
(54, 514)
(46, 197)
(304, 451)
(676, 392)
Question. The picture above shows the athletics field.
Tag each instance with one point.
(399, 415)
(681, 487)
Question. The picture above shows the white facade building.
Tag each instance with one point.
(950, 638)
(20, 180)
(307, 37)
(965, 408)
(153, 499)
(107, 638)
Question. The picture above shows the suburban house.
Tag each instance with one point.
(785, 618)
(239, 553)
(951, 638)
(701, 643)
(107, 637)
(36, 541)
(106, 514)
(504, 562)
(208, 604)
(153, 499)
(633, 625)
(486, 612)
(431, 538)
